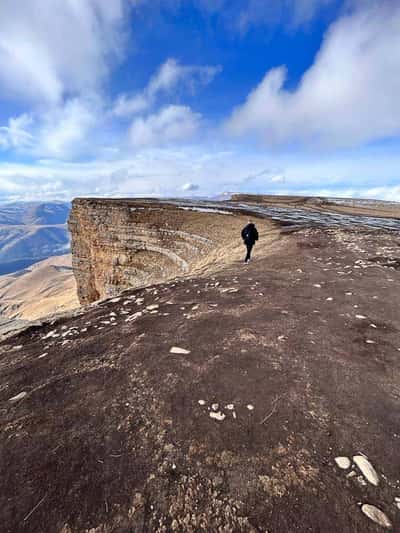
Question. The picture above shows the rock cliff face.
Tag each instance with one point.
(118, 244)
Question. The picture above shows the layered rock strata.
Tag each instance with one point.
(120, 244)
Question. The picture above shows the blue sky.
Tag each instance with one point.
(199, 97)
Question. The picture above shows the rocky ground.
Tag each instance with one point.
(262, 398)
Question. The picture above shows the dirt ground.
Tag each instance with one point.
(285, 364)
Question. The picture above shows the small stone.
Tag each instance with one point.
(317, 285)
(367, 469)
(373, 326)
(330, 299)
(18, 397)
(177, 350)
(250, 407)
(152, 307)
(369, 341)
(43, 355)
(361, 317)
(343, 462)
(217, 416)
(376, 515)
(202, 402)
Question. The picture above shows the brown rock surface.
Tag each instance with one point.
(114, 432)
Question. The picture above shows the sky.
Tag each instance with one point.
(192, 98)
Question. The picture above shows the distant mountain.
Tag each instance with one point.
(30, 232)
(34, 213)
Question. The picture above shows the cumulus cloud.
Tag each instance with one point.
(60, 131)
(172, 123)
(165, 172)
(15, 134)
(52, 47)
(349, 96)
(190, 187)
(169, 76)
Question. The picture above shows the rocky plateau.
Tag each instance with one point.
(193, 393)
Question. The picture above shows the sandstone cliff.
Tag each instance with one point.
(120, 244)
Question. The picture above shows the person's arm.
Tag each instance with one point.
(255, 234)
(243, 234)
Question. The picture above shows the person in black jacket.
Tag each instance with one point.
(249, 236)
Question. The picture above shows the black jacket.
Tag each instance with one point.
(250, 234)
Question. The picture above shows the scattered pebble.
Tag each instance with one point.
(18, 397)
(152, 307)
(250, 407)
(369, 341)
(330, 299)
(43, 355)
(376, 515)
(317, 285)
(343, 462)
(361, 317)
(217, 416)
(367, 469)
(177, 350)
(202, 402)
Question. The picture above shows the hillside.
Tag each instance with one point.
(30, 232)
(252, 398)
(43, 289)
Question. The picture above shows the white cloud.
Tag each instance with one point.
(169, 76)
(51, 47)
(190, 187)
(172, 123)
(15, 135)
(61, 131)
(349, 96)
(169, 172)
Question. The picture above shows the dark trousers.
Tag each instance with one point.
(249, 246)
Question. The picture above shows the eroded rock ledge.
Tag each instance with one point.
(119, 244)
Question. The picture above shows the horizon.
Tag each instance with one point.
(172, 98)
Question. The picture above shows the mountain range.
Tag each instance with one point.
(31, 232)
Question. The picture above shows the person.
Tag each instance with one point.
(249, 236)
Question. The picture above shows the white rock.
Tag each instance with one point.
(343, 462)
(217, 416)
(43, 355)
(376, 515)
(317, 285)
(250, 407)
(18, 397)
(367, 469)
(361, 317)
(152, 307)
(202, 402)
(177, 350)
(330, 299)
(373, 326)
(369, 341)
